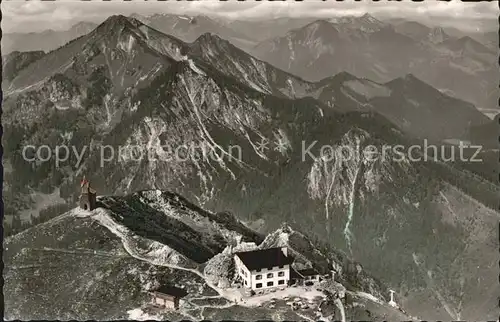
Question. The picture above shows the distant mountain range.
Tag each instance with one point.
(489, 39)
(458, 64)
(367, 47)
(414, 106)
(189, 28)
(411, 225)
(46, 40)
(420, 32)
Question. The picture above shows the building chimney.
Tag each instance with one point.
(285, 251)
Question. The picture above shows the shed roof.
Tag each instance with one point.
(308, 272)
(171, 291)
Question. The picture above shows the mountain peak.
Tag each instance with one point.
(369, 17)
(467, 40)
(413, 80)
(209, 44)
(410, 77)
(437, 35)
(321, 22)
(83, 25)
(119, 20)
(209, 38)
(320, 27)
(318, 24)
(466, 43)
(410, 81)
(138, 17)
(365, 22)
(338, 78)
(438, 30)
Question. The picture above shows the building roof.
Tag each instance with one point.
(264, 258)
(308, 272)
(86, 188)
(171, 291)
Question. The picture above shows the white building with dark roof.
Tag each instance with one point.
(264, 268)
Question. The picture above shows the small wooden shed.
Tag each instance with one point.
(167, 297)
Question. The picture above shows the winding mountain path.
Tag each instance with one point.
(233, 296)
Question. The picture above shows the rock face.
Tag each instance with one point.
(233, 134)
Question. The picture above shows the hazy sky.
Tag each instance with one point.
(24, 16)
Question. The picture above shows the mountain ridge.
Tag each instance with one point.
(385, 53)
(46, 41)
(145, 262)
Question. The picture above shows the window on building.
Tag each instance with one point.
(269, 268)
(281, 266)
(270, 283)
(269, 275)
(258, 285)
(281, 274)
(258, 270)
(281, 282)
(258, 277)
(246, 283)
